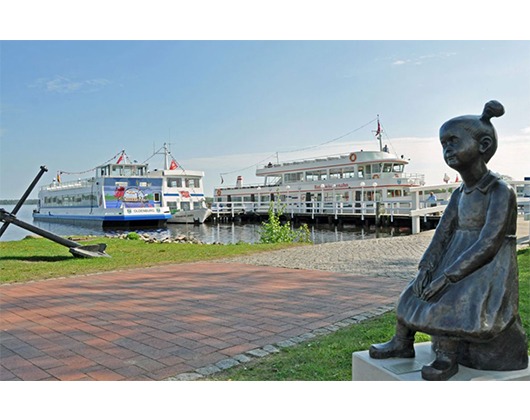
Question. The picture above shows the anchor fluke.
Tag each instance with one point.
(89, 251)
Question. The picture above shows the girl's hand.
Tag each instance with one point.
(436, 286)
(423, 278)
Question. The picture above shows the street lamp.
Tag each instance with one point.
(288, 199)
(375, 203)
(363, 184)
(322, 186)
(334, 200)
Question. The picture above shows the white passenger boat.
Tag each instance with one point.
(354, 183)
(182, 191)
(119, 194)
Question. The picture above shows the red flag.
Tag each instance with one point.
(378, 128)
(457, 180)
(120, 159)
(173, 165)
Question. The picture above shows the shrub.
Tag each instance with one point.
(273, 231)
(133, 236)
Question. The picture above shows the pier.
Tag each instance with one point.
(415, 212)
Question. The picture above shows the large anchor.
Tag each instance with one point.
(78, 250)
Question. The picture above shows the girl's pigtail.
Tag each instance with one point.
(492, 109)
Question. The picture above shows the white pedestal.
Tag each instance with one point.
(364, 368)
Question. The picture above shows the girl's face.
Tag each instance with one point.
(460, 149)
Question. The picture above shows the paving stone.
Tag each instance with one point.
(241, 358)
(258, 353)
(270, 349)
(286, 343)
(227, 363)
(190, 376)
(307, 336)
(208, 370)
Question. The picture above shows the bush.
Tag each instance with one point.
(273, 231)
(133, 236)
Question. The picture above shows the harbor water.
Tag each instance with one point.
(209, 232)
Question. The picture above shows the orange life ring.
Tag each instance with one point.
(353, 157)
(375, 176)
(219, 192)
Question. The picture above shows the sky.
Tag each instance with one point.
(226, 106)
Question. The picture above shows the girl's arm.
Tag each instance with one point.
(442, 235)
(500, 211)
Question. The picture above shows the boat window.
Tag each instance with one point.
(387, 167)
(348, 173)
(157, 196)
(335, 173)
(394, 193)
(376, 168)
(368, 171)
(127, 171)
(293, 177)
(185, 205)
(312, 176)
(360, 171)
(174, 182)
(398, 167)
(192, 182)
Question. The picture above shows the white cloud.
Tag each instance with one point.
(422, 59)
(61, 84)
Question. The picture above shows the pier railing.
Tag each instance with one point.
(415, 206)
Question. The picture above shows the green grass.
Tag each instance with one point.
(37, 258)
(328, 358)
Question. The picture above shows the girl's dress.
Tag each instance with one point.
(474, 247)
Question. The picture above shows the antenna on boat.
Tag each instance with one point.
(378, 134)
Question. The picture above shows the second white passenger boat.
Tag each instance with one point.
(355, 183)
(182, 191)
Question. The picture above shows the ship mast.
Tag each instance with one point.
(378, 134)
(166, 157)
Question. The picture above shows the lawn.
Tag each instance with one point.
(37, 258)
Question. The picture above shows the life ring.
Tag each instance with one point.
(375, 176)
(353, 157)
(219, 192)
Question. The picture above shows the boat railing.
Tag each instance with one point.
(57, 186)
(314, 208)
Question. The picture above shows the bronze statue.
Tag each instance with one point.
(466, 292)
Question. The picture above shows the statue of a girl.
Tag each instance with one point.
(465, 294)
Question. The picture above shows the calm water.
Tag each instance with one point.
(209, 232)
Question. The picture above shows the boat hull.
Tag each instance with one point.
(150, 217)
(197, 216)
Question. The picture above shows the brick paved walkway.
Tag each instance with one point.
(155, 323)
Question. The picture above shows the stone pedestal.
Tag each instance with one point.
(364, 368)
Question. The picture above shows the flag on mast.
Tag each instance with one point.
(120, 158)
(173, 165)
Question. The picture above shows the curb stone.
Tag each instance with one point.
(264, 351)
